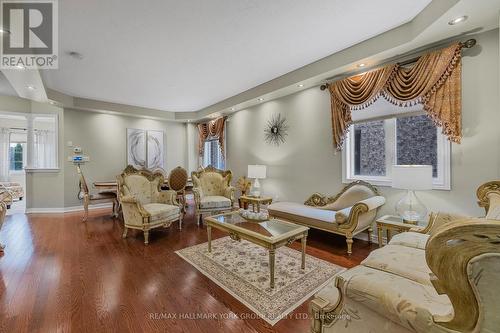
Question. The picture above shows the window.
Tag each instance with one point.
(373, 146)
(212, 155)
(17, 153)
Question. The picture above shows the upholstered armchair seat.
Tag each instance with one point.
(145, 206)
(212, 191)
(215, 201)
(159, 211)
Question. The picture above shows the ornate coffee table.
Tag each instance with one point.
(270, 234)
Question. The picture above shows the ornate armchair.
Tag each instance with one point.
(144, 205)
(3, 211)
(212, 190)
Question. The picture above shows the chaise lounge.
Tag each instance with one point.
(348, 213)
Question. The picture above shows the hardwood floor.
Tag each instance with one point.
(61, 275)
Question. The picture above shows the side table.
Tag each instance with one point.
(391, 223)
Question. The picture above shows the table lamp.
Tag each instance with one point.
(256, 172)
(411, 178)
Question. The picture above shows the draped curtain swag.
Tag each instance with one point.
(434, 80)
(214, 129)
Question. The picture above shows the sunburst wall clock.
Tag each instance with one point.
(276, 130)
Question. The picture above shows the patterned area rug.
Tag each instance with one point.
(242, 269)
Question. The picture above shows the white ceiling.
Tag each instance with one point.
(186, 55)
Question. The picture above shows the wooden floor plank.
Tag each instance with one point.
(61, 275)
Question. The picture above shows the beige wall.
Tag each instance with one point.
(307, 162)
(103, 138)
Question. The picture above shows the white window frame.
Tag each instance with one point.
(29, 168)
(442, 182)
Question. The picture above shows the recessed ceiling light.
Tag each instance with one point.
(300, 85)
(261, 99)
(361, 65)
(458, 20)
(30, 87)
(52, 102)
(76, 55)
(232, 109)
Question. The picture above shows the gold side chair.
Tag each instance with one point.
(145, 206)
(88, 197)
(177, 180)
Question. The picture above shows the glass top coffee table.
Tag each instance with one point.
(270, 234)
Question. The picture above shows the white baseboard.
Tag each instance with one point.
(67, 209)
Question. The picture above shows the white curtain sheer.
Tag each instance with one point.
(4, 153)
(44, 154)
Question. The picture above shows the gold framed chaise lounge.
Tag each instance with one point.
(348, 213)
(441, 279)
(145, 206)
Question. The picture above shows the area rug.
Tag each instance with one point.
(242, 269)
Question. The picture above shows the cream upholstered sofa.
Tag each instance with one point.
(442, 279)
(212, 190)
(6, 196)
(144, 205)
(348, 213)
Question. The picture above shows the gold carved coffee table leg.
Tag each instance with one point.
(209, 234)
(272, 252)
(303, 242)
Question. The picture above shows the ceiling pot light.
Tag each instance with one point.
(30, 87)
(76, 55)
(300, 85)
(458, 20)
(232, 109)
(261, 99)
(361, 65)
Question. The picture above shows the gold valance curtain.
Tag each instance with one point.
(214, 129)
(434, 80)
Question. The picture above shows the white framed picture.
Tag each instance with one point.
(136, 148)
(155, 149)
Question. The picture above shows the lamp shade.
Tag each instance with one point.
(257, 171)
(412, 177)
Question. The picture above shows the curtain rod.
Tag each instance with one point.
(469, 43)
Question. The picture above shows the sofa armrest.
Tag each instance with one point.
(348, 217)
(229, 192)
(133, 212)
(198, 195)
(168, 197)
